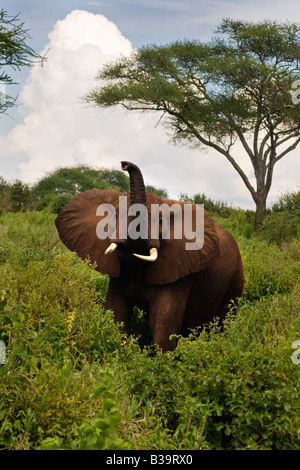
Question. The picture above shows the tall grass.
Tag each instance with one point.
(72, 380)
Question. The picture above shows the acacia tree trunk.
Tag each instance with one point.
(260, 212)
(261, 193)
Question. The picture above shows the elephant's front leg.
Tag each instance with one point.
(117, 302)
(167, 311)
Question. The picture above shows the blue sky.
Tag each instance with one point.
(148, 21)
(49, 129)
(141, 21)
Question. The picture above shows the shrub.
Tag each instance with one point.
(283, 221)
(280, 227)
(73, 380)
(217, 207)
(27, 237)
(269, 269)
(40, 399)
(52, 338)
(97, 432)
(232, 390)
(288, 202)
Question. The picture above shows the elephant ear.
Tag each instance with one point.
(174, 259)
(77, 225)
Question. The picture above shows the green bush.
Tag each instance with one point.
(54, 202)
(53, 325)
(289, 201)
(269, 269)
(97, 432)
(73, 380)
(280, 227)
(282, 224)
(232, 390)
(239, 223)
(26, 237)
(217, 207)
(52, 358)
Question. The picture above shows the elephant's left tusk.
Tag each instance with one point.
(152, 257)
(111, 249)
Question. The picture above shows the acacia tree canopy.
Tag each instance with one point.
(237, 87)
(14, 53)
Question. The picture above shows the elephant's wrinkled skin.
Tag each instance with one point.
(182, 289)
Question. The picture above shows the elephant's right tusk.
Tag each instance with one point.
(152, 257)
(111, 249)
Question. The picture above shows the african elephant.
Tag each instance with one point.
(179, 288)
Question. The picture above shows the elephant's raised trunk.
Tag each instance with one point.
(137, 196)
(137, 185)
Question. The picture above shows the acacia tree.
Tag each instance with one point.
(237, 87)
(14, 54)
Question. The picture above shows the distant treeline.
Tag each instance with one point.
(56, 189)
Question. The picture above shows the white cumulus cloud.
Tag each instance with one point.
(58, 129)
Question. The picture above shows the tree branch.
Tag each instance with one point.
(289, 149)
(213, 145)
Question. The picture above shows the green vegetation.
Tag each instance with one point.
(72, 380)
(14, 54)
(283, 222)
(55, 190)
(235, 87)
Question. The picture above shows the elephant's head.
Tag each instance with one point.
(164, 259)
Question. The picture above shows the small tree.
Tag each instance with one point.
(20, 197)
(4, 195)
(235, 88)
(56, 189)
(14, 53)
(70, 180)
